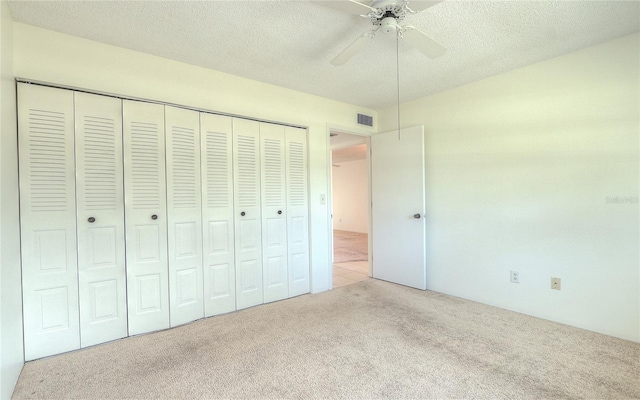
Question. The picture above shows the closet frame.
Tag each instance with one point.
(74, 319)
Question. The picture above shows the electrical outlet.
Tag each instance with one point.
(555, 283)
(515, 276)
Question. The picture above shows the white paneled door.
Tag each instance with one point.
(100, 218)
(274, 210)
(48, 221)
(297, 210)
(398, 227)
(146, 217)
(248, 242)
(184, 215)
(217, 214)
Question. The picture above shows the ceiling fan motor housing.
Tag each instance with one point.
(388, 15)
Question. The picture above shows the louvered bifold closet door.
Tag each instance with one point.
(48, 221)
(146, 217)
(184, 215)
(217, 214)
(100, 211)
(297, 210)
(274, 211)
(246, 156)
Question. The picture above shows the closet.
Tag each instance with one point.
(48, 221)
(100, 218)
(285, 211)
(139, 216)
(217, 214)
(247, 218)
(184, 215)
(146, 217)
(297, 210)
(274, 236)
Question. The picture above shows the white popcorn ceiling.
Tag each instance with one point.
(290, 43)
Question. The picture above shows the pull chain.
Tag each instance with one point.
(398, 77)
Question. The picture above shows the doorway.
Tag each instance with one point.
(350, 199)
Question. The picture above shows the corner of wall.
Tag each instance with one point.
(11, 346)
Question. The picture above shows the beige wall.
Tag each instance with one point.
(523, 172)
(11, 357)
(350, 184)
(52, 57)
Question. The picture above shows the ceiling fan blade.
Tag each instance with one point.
(348, 6)
(419, 5)
(422, 42)
(351, 50)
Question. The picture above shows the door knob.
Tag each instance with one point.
(243, 213)
(91, 220)
(154, 217)
(279, 212)
(416, 216)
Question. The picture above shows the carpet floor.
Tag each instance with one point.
(349, 246)
(372, 339)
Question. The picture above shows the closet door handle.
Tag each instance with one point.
(243, 213)
(91, 220)
(279, 212)
(154, 217)
(416, 216)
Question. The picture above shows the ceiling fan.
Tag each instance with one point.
(385, 15)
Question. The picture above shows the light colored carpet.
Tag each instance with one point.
(349, 246)
(372, 339)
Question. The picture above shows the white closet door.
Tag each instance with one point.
(48, 221)
(246, 157)
(184, 215)
(297, 210)
(146, 217)
(100, 211)
(217, 213)
(274, 223)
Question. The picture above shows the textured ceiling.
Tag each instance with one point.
(290, 43)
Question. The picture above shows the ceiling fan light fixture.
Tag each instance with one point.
(388, 25)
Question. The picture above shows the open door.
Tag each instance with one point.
(397, 195)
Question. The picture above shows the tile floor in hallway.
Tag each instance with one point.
(347, 273)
